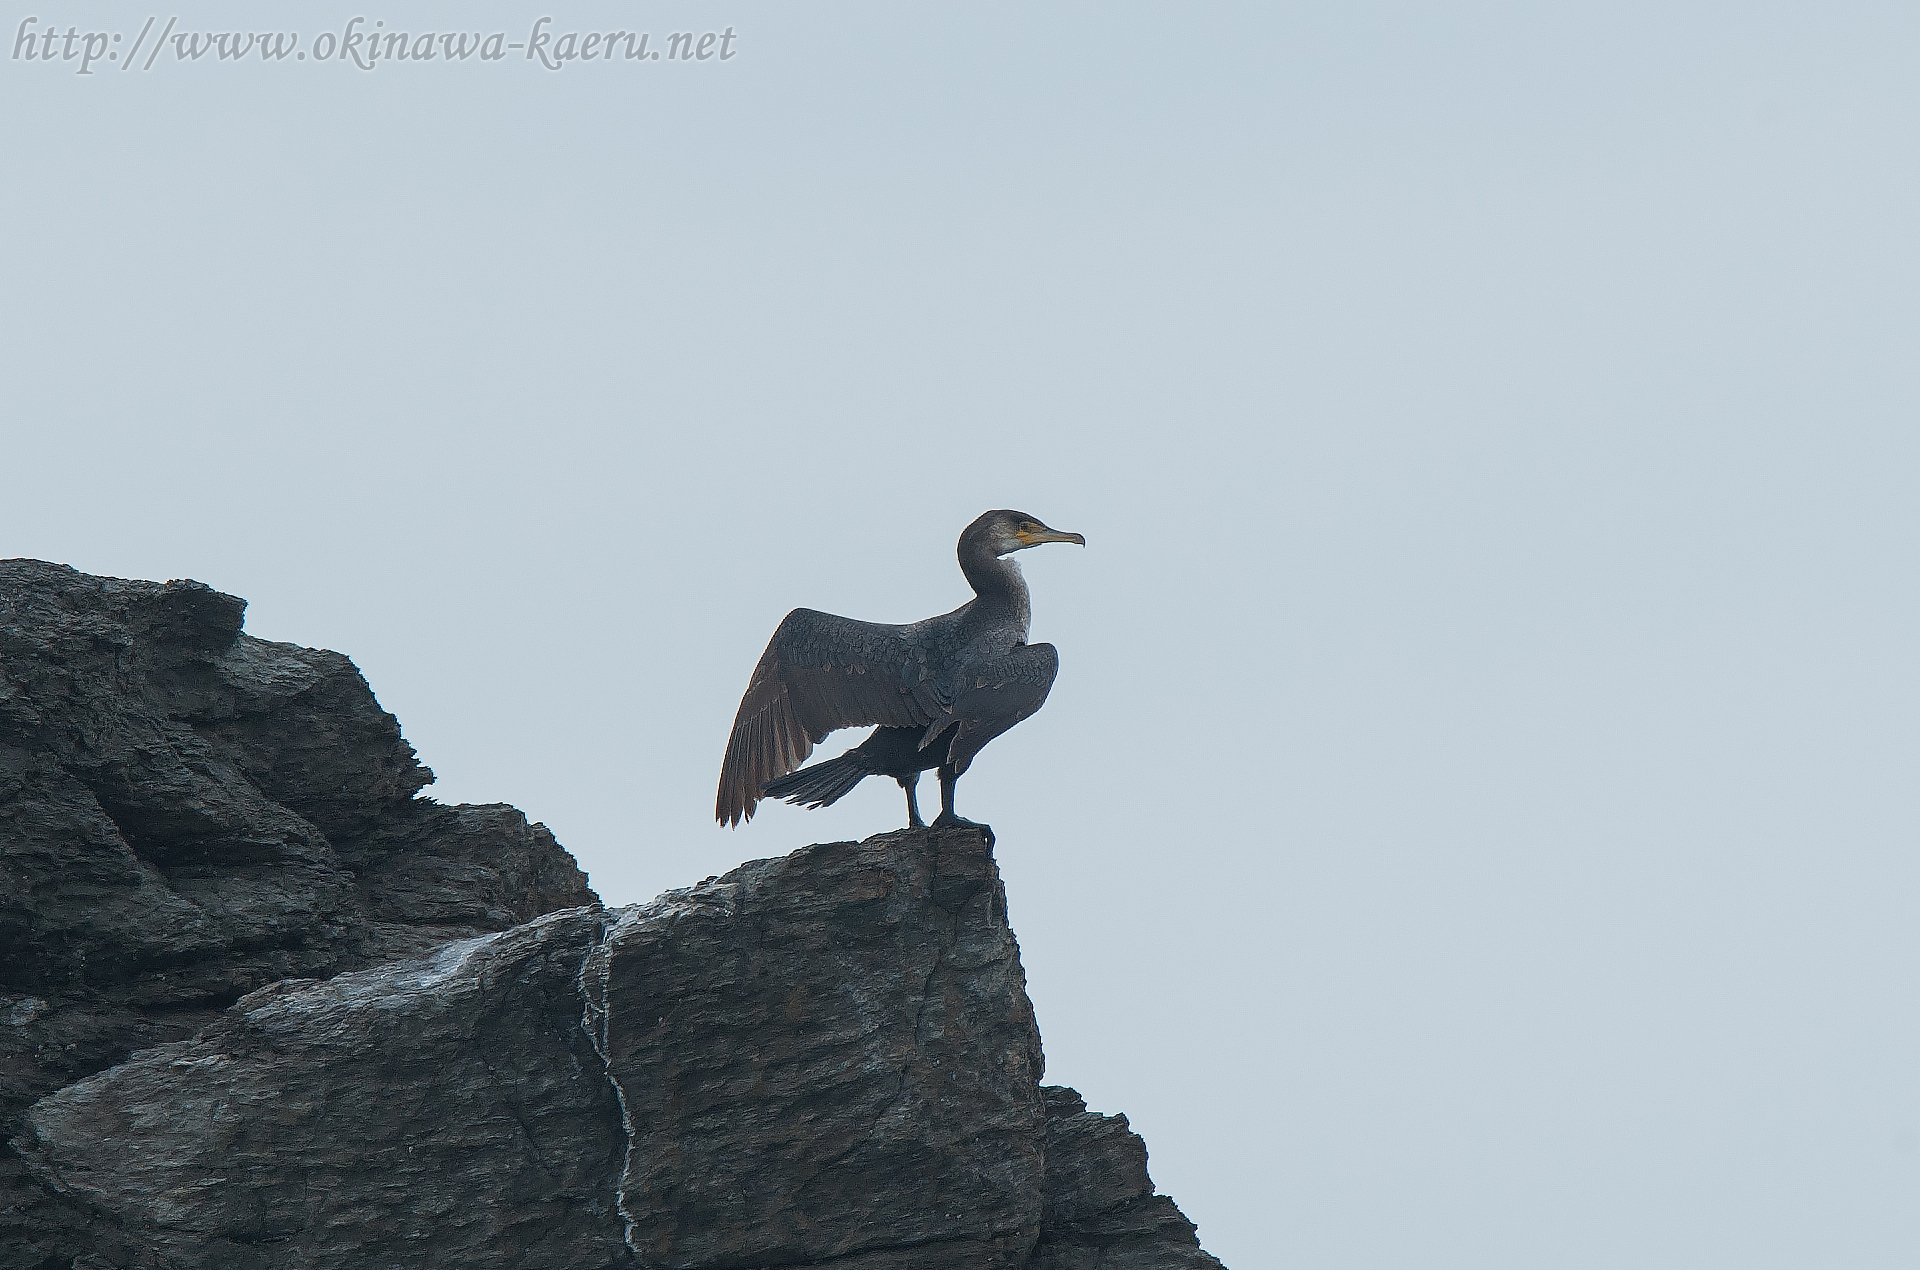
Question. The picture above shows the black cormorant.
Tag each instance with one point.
(938, 689)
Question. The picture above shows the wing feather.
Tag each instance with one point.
(820, 673)
(999, 695)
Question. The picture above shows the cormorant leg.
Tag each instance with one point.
(909, 783)
(947, 819)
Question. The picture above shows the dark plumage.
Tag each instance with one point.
(939, 689)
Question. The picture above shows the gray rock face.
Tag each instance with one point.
(826, 1054)
(827, 1059)
(187, 814)
(1101, 1212)
(443, 1111)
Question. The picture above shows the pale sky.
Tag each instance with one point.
(1474, 825)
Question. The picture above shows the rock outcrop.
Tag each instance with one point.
(188, 813)
(265, 1007)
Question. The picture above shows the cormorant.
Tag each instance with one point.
(939, 689)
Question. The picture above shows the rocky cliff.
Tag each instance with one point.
(261, 1004)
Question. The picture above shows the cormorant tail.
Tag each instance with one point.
(821, 785)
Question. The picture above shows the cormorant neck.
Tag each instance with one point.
(997, 582)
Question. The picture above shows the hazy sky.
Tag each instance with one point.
(1474, 825)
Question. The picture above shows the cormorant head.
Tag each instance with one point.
(1000, 533)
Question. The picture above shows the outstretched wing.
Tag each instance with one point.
(995, 695)
(820, 673)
